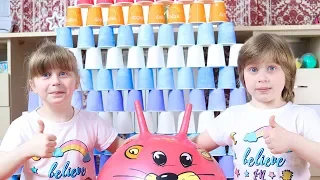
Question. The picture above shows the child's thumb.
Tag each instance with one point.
(272, 122)
(41, 126)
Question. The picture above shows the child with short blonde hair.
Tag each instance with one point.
(272, 138)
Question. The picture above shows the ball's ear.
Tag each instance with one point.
(144, 132)
(185, 122)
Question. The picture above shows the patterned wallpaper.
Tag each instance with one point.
(45, 15)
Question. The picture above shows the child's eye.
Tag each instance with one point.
(63, 73)
(253, 69)
(46, 75)
(271, 68)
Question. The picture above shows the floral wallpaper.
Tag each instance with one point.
(45, 15)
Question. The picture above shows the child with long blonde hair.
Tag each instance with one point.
(55, 141)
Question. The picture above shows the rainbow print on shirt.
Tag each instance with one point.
(255, 135)
(72, 145)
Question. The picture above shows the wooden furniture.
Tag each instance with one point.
(18, 46)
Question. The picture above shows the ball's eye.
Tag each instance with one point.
(159, 158)
(205, 154)
(186, 159)
(133, 151)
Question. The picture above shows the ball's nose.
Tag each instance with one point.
(167, 176)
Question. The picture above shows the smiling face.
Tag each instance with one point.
(53, 74)
(55, 87)
(161, 157)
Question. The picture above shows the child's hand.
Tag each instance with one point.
(42, 145)
(277, 138)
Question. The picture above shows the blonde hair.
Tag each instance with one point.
(51, 56)
(275, 48)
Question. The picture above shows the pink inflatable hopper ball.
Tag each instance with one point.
(161, 157)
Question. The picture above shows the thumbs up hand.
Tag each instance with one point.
(277, 138)
(41, 145)
(41, 127)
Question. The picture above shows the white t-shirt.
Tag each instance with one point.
(241, 127)
(76, 139)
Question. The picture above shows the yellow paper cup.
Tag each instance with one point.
(197, 13)
(135, 15)
(115, 15)
(175, 13)
(218, 12)
(156, 14)
(73, 17)
(94, 17)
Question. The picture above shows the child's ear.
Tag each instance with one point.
(32, 87)
(78, 83)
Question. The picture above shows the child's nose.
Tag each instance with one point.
(55, 80)
(262, 77)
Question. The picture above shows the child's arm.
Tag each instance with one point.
(217, 133)
(118, 142)
(204, 141)
(306, 149)
(12, 161)
(40, 145)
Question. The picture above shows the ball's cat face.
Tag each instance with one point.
(161, 157)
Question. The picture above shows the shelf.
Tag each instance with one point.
(4, 90)
(285, 30)
(96, 31)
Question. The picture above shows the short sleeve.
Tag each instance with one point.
(106, 134)
(309, 124)
(14, 136)
(219, 129)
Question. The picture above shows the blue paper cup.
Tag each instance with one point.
(145, 79)
(86, 38)
(205, 35)
(155, 101)
(226, 34)
(104, 80)
(33, 101)
(226, 78)
(115, 101)
(185, 78)
(227, 166)
(237, 97)
(125, 37)
(86, 80)
(185, 35)
(166, 81)
(134, 95)
(124, 79)
(64, 37)
(94, 101)
(166, 36)
(205, 78)
(197, 99)
(77, 100)
(176, 100)
(146, 36)
(106, 37)
(217, 101)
